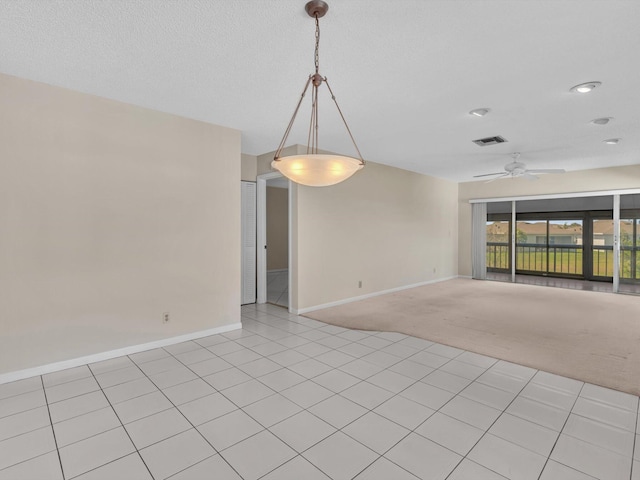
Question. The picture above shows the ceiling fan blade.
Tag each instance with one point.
(488, 174)
(528, 176)
(501, 176)
(547, 170)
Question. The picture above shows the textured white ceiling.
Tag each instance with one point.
(405, 72)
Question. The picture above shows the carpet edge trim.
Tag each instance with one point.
(302, 311)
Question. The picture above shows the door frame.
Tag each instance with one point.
(261, 231)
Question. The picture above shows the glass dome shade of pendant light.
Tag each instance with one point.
(317, 170)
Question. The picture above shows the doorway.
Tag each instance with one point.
(273, 245)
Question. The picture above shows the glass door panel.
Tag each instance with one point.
(602, 248)
(636, 248)
(629, 249)
(565, 247)
(630, 256)
(498, 246)
(531, 246)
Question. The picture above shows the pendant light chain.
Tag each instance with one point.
(317, 56)
(313, 123)
(315, 80)
(312, 145)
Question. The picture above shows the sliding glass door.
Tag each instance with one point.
(550, 247)
(591, 238)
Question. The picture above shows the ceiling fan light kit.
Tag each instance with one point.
(519, 169)
(312, 168)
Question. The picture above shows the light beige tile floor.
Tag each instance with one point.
(291, 398)
(278, 288)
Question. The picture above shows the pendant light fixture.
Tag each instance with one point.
(315, 169)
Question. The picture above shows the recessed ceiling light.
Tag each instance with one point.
(601, 121)
(585, 87)
(611, 141)
(479, 112)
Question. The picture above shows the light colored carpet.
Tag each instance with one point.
(589, 336)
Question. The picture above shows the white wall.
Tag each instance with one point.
(386, 227)
(110, 214)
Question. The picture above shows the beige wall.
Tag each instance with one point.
(384, 226)
(579, 181)
(277, 228)
(248, 165)
(111, 215)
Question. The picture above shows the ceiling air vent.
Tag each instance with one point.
(483, 142)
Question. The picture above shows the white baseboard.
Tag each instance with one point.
(369, 295)
(465, 276)
(98, 357)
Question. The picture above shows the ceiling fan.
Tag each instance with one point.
(519, 169)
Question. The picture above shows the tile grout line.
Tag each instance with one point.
(121, 425)
(53, 431)
(503, 411)
(560, 433)
(601, 422)
(189, 421)
(396, 394)
(337, 393)
(298, 454)
(147, 416)
(412, 431)
(332, 368)
(492, 423)
(635, 441)
(28, 431)
(21, 393)
(368, 410)
(303, 409)
(124, 427)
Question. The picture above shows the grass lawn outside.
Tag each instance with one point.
(562, 260)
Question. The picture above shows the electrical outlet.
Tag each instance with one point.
(359, 283)
(165, 317)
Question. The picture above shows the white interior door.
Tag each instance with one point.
(248, 242)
